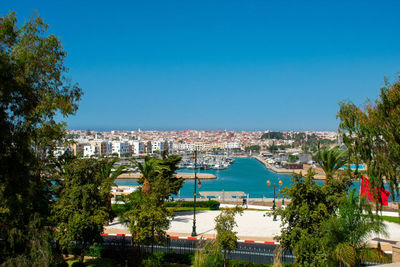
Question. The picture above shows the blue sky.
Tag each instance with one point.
(239, 65)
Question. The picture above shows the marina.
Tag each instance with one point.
(183, 175)
(247, 175)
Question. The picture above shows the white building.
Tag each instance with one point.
(89, 150)
(137, 147)
(157, 146)
(183, 147)
(59, 151)
(232, 145)
(120, 148)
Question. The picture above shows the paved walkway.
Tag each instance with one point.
(251, 225)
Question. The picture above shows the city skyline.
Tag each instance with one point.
(221, 65)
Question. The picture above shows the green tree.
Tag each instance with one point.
(149, 170)
(226, 239)
(293, 158)
(273, 135)
(82, 207)
(108, 174)
(346, 233)
(310, 206)
(372, 134)
(33, 88)
(158, 175)
(255, 148)
(166, 182)
(148, 220)
(144, 211)
(331, 160)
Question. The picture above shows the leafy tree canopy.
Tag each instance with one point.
(345, 234)
(226, 239)
(372, 134)
(33, 88)
(273, 135)
(160, 173)
(310, 205)
(83, 204)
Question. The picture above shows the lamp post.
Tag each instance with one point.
(283, 196)
(194, 193)
(274, 186)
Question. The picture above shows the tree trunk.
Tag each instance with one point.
(224, 257)
(152, 242)
(83, 252)
(146, 186)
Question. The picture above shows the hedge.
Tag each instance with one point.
(212, 204)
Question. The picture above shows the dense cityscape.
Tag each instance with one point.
(92, 143)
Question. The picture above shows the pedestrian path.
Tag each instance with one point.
(252, 226)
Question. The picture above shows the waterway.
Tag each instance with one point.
(245, 174)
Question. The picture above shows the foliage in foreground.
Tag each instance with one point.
(371, 135)
(346, 233)
(311, 205)
(324, 225)
(94, 263)
(145, 211)
(330, 160)
(226, 240)
(82, 207)
(212, 204)
(34, 88)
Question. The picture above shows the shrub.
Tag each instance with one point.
(155, 260)
(78, 264)
(95, 251)
(239, 263)
(178, 258)
(212, 204)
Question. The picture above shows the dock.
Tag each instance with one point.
(183, 175)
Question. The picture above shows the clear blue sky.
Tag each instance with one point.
(241, 65)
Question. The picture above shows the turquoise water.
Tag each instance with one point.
(245, 174)
(353, 167)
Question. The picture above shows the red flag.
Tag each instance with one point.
(381, 193)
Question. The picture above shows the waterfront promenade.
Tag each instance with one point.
(251, 226)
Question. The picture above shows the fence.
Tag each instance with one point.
(251, 252)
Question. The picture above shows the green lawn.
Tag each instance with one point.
(391, 219)
(174, 209)
(96, 262)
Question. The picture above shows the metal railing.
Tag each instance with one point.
(258, 253)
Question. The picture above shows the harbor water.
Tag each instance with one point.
(245, 174)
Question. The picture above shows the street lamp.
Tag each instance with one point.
(283, 196)
(194, 193)
(274, 186)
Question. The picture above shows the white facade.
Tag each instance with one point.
(137, 147)
(120, 148)
(184, 147)
(170, 146)
(89, 150)
(232, 145)
(157, 145)
(61, 150)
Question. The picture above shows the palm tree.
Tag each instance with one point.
(330, 160)
(347, 232)
(108, 174)
(149, 170)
